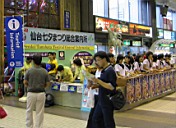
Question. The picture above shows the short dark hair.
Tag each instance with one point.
(77, 61)
(160, 56)
(37, 59)
(60, 68)
(110, 55)
(119, 57)
(155, 57)
(29, 58)
(52, 53)
(148, 54)
(102, 55)
(137, 58)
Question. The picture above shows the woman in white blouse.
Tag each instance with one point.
(138, 64)
(119, 67)
(147, 63)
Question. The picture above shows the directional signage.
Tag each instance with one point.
(14, 38)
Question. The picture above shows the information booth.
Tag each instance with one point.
(67, 45)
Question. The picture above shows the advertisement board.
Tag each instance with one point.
(140, 30)
(116, 26)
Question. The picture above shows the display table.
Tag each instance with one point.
(147, 87)
(67, 94)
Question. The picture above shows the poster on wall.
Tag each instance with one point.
(116, 26)
(140, 30)
(85, 56)
(61, 55)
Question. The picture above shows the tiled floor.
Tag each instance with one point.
(160, 113)
(16, 119)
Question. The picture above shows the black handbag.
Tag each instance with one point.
(118, 100)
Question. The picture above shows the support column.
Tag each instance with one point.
(153, 19)
(1, 40)
(87, 19)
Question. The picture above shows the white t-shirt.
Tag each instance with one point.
(159, 64)
(137, 67)
(147, 63)
(120, 69)
(154, 65)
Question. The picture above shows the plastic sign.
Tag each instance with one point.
(14, 39)
(167, 45)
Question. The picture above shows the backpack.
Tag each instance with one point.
(49, 100)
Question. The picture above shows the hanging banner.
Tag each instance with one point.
(14, 39)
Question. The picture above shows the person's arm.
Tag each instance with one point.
(103, 84)
(47, 80)
(26, 79)
(25, 82)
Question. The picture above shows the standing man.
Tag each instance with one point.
(36, 79)
(52, 60)
(103, 115)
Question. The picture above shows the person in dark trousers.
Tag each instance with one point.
(103, 116)
(36, 79)
(94, 86)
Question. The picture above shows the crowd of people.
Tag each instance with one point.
(108, 70)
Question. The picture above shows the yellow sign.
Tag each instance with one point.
(57, 47)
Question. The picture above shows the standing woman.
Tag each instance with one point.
(138, 64)
(78, 71)
(148, 61)
(119, 67)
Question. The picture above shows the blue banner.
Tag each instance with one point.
(14, 39)
(66, 19)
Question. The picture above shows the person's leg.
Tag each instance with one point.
(108, 115)
(89, 122)
(40, 110)
(97, 118)
(31, 100)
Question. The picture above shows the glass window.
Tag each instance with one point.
(9, 12)
(44, 6)
(159, 18)
(174, 21)
(21, 4)
(54, 21)
(123, 10)
(33, 19)
(54, 4)
(113, 9)
(9, 3)
(33, 5)
(43, 20)
(133, 5)
(98, 7)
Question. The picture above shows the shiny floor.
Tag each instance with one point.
(160, 113)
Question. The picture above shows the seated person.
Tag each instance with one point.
(79, 67)
(65, 73)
